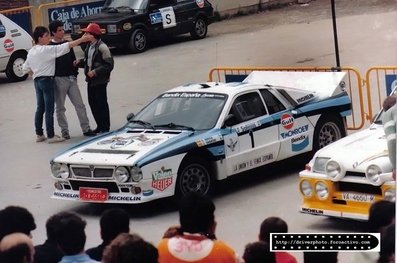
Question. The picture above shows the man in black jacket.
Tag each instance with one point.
(98, 63)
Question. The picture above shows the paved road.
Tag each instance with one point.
(366, 39)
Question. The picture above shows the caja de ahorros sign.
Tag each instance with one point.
(67, 14)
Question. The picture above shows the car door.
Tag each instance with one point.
(3, 54)
(185, 12)
(253, 140)
(162, 16)
(295, 129)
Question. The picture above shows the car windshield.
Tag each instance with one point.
(133, 4)
(182, 110)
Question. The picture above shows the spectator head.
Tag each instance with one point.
(52, 225)
(93, 29)
(39, 32)
(388, 241)
(130, 248)
(113, 222)
(323, 257)
(381, 214)
(389, 102)
(258, 252)
(272, 225)
(16, 248)
(16, 219)
(196, 214)
(53, 26)
(70, 235)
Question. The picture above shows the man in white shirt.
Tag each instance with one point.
(40, 62)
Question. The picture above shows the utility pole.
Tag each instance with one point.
(335, 34)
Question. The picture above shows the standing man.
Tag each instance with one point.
(97, 63)
(40, 62)
(389, 119)
(66, 84)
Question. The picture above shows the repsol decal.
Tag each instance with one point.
(312, 211)
(295, 131)
(287, 121)
(299, 143)
(124, 198)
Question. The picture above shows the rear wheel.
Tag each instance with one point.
(194, 176)
(328, 130)
(199, 29)
(14, 67)
(138, 41)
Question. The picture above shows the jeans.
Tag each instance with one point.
(98, 100)
(45, 105)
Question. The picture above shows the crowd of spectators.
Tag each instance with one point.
(192, 240)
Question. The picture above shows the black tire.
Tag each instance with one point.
(138, 41)
(199, 29)
(194, 176)
(14, 67)
(329, 129)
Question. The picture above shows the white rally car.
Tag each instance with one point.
(346, 177)
(194, 134)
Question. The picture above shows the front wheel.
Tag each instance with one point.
(194, 176)
(328, 130)
(14, 70)
(199, 29)
(138, 41)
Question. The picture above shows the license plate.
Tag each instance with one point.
(358, 197)
(93, 194)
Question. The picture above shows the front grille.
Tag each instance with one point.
(355, 174)
(111, 186)
(96, 172)
(359, 188)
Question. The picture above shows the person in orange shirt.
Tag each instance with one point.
(194, 241)
(275, 225)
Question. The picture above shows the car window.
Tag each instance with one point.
(2, 30)
(272, 103)
(155, 4)
(247, 106)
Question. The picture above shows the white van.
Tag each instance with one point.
(14, 45)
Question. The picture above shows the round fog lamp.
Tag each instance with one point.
(121, 174)
(306, 188)
(321, 190)
(372, 173)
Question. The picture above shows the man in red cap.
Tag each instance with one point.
(98, 63)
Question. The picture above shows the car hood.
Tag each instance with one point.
(360, 147)
(123, 147)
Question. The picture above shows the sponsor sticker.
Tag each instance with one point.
(124, 198)
(305, 98)
(8, 45)
(193, 95)
(287, 120)
(168, 17)
(155, 18)
(162, 179)
(256, 162)
(299, 143)
(209, 140)
(147, 192)
(295, 131)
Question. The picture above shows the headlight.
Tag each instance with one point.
(60, 170)
(390, 195)
(136, 174)
(76, 28)
(306, 188)
(319, 164)
(333, 170)
(321, 190)
(111, 28)
(372, 173)
(121, 174)
(127, 26)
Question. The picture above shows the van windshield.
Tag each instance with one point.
(133, 4)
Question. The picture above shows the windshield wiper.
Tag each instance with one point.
(172, 125)
(143, 123)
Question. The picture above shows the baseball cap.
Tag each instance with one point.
(93, 28)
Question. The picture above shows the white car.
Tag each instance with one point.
(15, 43)
(192, 135)
(346, 177)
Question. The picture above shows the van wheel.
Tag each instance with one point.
(138, 41)
(199, 29)
(14, 67)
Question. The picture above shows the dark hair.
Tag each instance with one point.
(70, 234)
(52, 225)
(113, 222)
(323, 257)
(272, 225)
(258, 252)
(39, 31)
(196, 213)
(16, 254)
(16, 219)
(388, 242)
(381, 214)
(53, 26)
(389, 102)
(130, 248)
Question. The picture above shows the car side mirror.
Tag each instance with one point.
(130, 116)
(230, 120)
